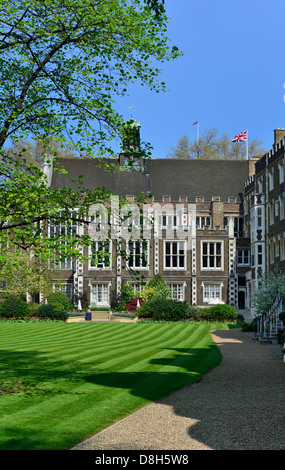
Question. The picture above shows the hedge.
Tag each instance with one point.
(164, 309)
(14, 307)
(52, 311)
(60, 298)
(219, 312)
(175, 310)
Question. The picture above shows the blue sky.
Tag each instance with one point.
(231, 75)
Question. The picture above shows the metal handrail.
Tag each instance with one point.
(270, 320)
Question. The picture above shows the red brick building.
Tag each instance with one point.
(205, 244)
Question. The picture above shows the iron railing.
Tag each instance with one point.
(269, 324)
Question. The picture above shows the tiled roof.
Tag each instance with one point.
(191, 178)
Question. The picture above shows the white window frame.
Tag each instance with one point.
(177, 291)
(68, 263)
(238, 227)
(215, 254)
(105, 291)
(171, 255)
(241, 258)
(259, 217)
(282, 246)
(65, 288)
(282, 206)
(277, 247)
(174, 221)
(281, 172)
(271, 179)
(260, 185)
(276, 208)
(141, 243)
(138, 288)
(259, 254)
(203, 221)
(212, 291)
(271, 213)
(272, 250)
(100, 222)
(245, 206)
(168, 221)
(97, 267)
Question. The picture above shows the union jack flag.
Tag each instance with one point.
(240, 137)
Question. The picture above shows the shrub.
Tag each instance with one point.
(161, 289)
(131, 306)
(194, 313)
(164, 309)
(53, 311)
(116, 301)
(33, 309)
(119, 301)
(14, 307)
(219, 312)
(248, 327)
(99, 309)
(282, 316)
(58, 307)
(147, 293)
(268, 287)
(128, 293)
(60, 298)
(124, 315)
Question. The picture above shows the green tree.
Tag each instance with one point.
(63, 61)
(24, 273)
(35, 152)
(62, 64)
(157, 6)
(156, 288)
(269, 286)
(212, 146)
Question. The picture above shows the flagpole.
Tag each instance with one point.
(247, 144)
(194, 124)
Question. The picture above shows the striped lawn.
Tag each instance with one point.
(63, 382)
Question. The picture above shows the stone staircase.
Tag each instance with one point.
(246, 314)
(100, 315)
(269, 327)
(272, 336)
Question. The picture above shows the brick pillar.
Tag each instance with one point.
(217, 214)
(232, 264)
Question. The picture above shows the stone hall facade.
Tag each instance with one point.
(217, 225)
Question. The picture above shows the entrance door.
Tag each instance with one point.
(241, 300)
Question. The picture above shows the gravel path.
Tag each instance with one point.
(239, 405)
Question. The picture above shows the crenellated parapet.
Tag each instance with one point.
(249, 184)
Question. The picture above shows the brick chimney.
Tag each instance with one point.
(279, 134)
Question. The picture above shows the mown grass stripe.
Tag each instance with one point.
(147, 362)
(88, 341)
(93, 334)
(117, 361)
(98, 355)
(136, 363)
